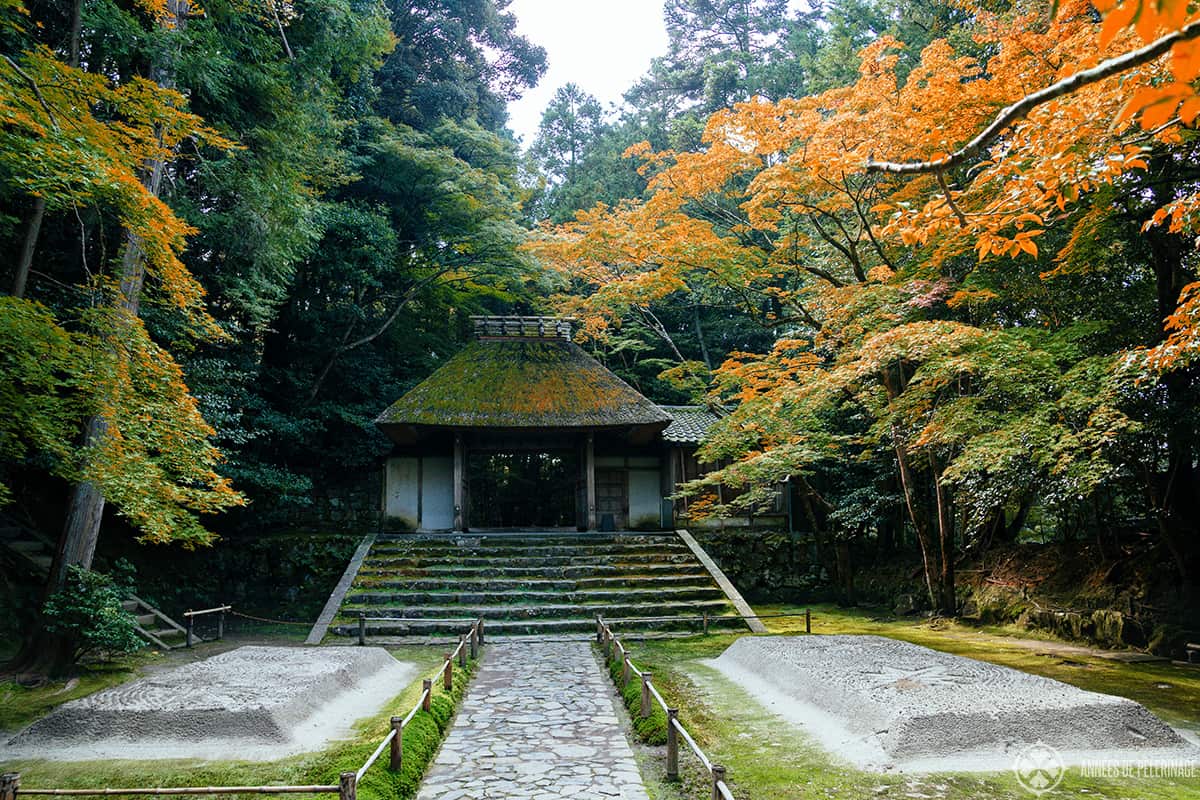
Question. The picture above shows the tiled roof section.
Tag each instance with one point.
(689, 424)
(523, 383)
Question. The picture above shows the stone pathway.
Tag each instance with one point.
(539, 722)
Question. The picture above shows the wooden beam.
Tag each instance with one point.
(460, 513)
(589, 458)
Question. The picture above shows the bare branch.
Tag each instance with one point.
(1019, 109)
(962, 218)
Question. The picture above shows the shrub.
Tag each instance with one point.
(88, 613)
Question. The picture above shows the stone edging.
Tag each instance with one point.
(334, 603)
(735, 597)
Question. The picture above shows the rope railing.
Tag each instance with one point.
(347, 786)
(613, 648)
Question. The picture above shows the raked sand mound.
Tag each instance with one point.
(252, 703)
(884, 704)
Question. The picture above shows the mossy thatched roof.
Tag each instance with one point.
(522, 383)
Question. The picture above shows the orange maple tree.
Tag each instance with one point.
(991, 148)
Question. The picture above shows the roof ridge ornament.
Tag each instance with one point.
(519, 327)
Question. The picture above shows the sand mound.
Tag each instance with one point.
(882, 703)
(252, 703)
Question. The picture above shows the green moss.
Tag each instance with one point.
(651, 729)
(767, 758)
(518, 383)
(422, 736)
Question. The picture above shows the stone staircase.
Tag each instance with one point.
(24, 548)
(549, 583)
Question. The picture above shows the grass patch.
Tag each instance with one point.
(422, 737)
(651, 729)
(769, 760)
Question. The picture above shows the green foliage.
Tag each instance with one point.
(39, 367)
(88, 612)
(652, 729)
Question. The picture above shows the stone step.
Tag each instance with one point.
(488, 571)
(534, 626)
(527, 539)
(543, 611)
(509, 549)
(422, 560)
(602, 596)
(693, 579)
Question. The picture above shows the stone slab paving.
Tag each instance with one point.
(539, 722)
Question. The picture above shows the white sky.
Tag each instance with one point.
(602, 46)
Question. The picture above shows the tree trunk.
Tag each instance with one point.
(1179, 509)
(25, 261)
(44, 653)
(947, 600)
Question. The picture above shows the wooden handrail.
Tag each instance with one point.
(319, 789)
(613, 646)
(206, 611)
(10, 782)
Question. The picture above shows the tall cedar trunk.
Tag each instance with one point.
(45, 654)
(1179, 510)
(28, 246)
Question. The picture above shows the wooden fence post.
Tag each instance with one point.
(348, 786)
(672, 745)
(474, 640)
(625, 673)
(599, 630)
(220, 625)
(426, 702)
(479, 628)
(608, 645)
(706, 623)
(10, 783)
(807, 621)
(462, 650)
(645, 710)
(396, 760)
(362, 628)
(191, 621)
(718, 775)
(448, 673)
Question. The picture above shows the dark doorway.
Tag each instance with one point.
(522, 490)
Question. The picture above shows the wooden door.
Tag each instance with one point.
(612, 496)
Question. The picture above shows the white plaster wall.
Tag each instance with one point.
(437, 493)
(401, 482)
(645, 498)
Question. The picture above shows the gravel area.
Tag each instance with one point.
(885, 704)
(253, 703)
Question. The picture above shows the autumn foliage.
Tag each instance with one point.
(940, 301)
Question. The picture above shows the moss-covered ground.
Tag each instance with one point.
(769, 760)
(421, 739)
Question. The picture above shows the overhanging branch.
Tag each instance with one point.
(1022, 107)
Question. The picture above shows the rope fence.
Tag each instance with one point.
(615, 649)
(469, 644)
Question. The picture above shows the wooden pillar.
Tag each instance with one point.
(460, 513)
(672, 745)
(348, 786)
(10, 785)
(396, 756)
(589, 461)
